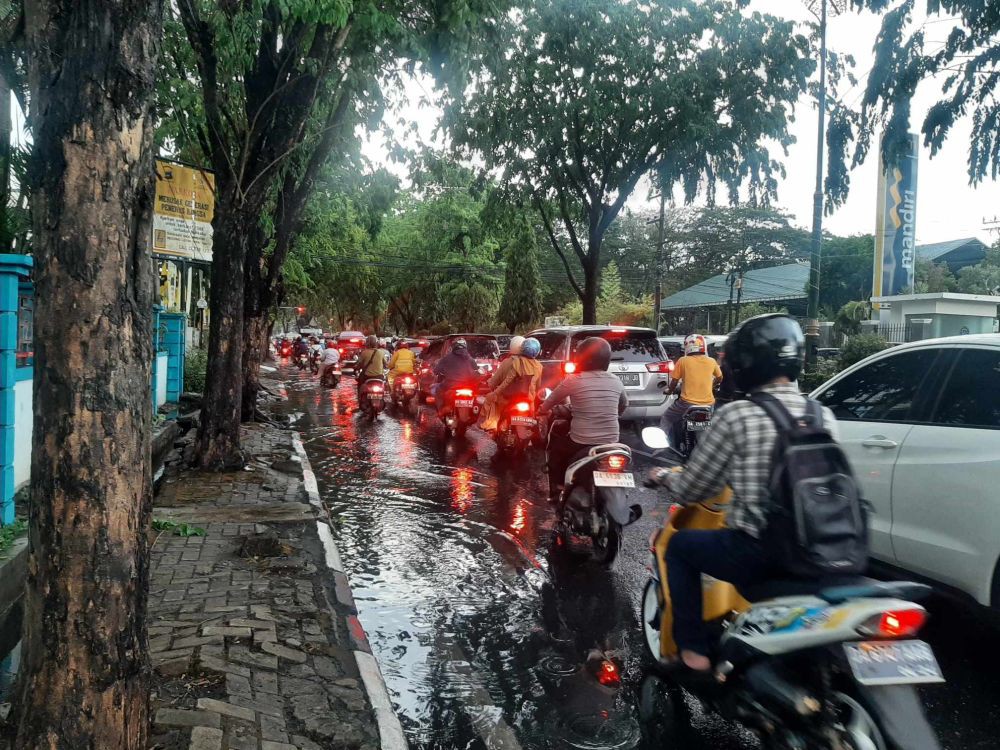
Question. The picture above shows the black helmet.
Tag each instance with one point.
(763, 348)
(459, 344)
(593, 353)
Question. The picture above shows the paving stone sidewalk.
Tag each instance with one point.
(254, 638)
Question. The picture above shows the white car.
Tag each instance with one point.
(921, 425)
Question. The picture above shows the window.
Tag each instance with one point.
(481, 347)
(883, 391)
(627, 346)
(25, 355)
(552, 345)
(971, 397)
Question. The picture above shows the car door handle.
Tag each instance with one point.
(879, 442)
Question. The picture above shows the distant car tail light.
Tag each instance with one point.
(522, 406)
(666, 367)
(896, 623)
(569, 368)
(466, 392)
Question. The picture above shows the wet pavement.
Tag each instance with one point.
(484, 631)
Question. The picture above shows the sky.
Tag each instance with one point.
(947, 206)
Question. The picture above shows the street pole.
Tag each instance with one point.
(658, 291)
(816, 251)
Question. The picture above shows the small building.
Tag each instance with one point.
(913, 317)
(956, 254)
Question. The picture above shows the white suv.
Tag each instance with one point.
(921, 425)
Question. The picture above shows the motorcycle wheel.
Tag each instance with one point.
(650, 613)
(606, 549)
(663, 713)
(860, 726)
(413, 407)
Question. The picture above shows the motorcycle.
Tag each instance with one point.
(314, 360)
(696, 420)
(404, 394)
(331, 376)
(302, 361)
(285, 350)
(824, 665)
(593, 502)
(458, 409)
(372, 398)
(517, 427)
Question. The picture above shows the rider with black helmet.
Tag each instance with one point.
(598, 399)
(764, 355)
(455, 369)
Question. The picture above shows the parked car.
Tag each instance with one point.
(921, 425)
(674, 345)
(636, 357)
(482, 347)
(503, 341)
(350, 344)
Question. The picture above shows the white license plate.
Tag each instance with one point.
(629, 378)
(409, 386)
(523, 420)
(374, 396)
(698, 426)
(893, 662)
(464, 404)
(613, 479)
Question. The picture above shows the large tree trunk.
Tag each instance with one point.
(591, 289)
(218, 444)
(85, 676)
(254, 349)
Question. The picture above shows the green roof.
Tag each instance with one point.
(938, 250)
(760, 285)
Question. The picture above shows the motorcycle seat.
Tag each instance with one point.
(907, 590)
(779, 587)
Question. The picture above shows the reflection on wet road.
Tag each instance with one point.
(482, 630)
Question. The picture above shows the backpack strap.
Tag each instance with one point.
(774, 409)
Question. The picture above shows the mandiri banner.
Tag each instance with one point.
(895, 231)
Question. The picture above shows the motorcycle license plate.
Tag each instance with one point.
(530, 421)
(375, 396)
(409, 386)
(613, 479)
(698, 426)
(464, 404)
(629, 378)
(893, 662)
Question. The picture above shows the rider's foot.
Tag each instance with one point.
(695, 661)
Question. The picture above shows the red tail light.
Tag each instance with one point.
(422, 343)
(608, 674)
(406, 379)
(615, 462)
(699, 416)
(901, 623)
(522, 406)
(666, 367)
(569, 368)
(375, 388)
(466, 392)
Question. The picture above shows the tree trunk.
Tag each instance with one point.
(254, 348)
(591, 288)
(218, 446)
(84, 678)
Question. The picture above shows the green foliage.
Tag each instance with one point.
(177, 529)
(823, 371)
(10, 533)
(933, 277)
(195, 364)
(597, 94)
(614, 304)
(753, 309)
(849, 317)
(846, 271)
(982, 278)
(861, 346)
(521, 303)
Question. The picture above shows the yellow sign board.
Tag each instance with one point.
(183, 207)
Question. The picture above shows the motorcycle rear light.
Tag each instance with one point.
(662, 367)
(522, 406)
(898, 623)
(406, 379)
(699, 416)
(569, 368)
(617, 462)
(375, 388)
(608, 674)
(466, 392)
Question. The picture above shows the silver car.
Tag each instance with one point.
(636, 357)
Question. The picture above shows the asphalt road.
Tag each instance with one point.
(483, 631)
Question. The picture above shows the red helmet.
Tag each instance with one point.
(331, 345)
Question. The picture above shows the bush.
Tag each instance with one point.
(824, 370)
(195, 364)
(861, 346)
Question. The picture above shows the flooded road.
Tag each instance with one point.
(483, 630)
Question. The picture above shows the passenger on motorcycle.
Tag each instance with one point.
(697, 374)
(597, 398)
(454, 369)
(765, 354)
(371, 362)
(517, 376)
(300, 346)
(402, 362)
(331, 356)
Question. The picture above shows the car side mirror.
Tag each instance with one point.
(655, 438)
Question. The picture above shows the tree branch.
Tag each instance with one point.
(555, 246)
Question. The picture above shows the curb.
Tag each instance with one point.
(390, 729)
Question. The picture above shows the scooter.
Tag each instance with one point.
(517, 427)
(593, 502)
(696, 421)
(331, 376)
(303, 360)
(404, 394)
(314, 360)
(823, 665)
(458, 409)
(372, 398)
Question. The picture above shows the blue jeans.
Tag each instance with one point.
(726, 554)
(672, 417)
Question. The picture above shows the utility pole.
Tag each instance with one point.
(739, 296)
(992, 226)
(816, 250)
(658, 290)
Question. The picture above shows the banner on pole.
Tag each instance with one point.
(183, 207)
(895, 231)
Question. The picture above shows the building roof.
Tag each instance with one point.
(936, 251)
(773, 284)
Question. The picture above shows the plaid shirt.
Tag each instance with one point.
(738, 451)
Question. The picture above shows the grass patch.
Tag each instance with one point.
(178, 529)
(8, 534)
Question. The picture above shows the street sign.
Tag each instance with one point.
(183, 206)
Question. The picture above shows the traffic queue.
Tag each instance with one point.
(790, 640)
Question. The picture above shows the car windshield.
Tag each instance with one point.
(551, 343)
(627, 346)
(481, 347)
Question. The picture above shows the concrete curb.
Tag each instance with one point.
(390, 729)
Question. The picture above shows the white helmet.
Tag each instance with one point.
(695, 344)
(515, 344)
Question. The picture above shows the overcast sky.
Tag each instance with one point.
(947, 208)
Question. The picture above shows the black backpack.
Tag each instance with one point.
(816, 522)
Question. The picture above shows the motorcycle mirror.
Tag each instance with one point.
(545, 393)
(654, 437)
